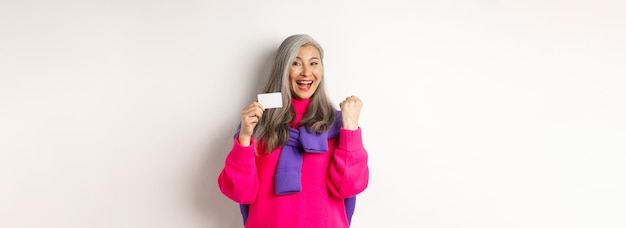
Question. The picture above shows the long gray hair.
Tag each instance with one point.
(272, 130)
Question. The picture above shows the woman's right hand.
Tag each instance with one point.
(250, 116)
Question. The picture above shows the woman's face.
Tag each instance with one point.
(305, 73)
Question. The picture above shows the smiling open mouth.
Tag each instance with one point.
(304, 83)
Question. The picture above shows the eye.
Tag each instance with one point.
(296, 64)
(314, 63)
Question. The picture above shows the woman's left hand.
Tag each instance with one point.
(350, 110)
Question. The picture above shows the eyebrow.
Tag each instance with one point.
(298, 57)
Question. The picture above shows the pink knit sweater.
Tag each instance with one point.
(327, 178)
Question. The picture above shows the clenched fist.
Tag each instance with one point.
(350, 110)
(250, 116)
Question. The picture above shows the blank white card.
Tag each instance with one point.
(271, 100)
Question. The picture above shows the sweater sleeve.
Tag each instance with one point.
(348, 172)
(239, 180)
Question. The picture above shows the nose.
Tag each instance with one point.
(306, 71)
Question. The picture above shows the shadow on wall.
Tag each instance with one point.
(213, 205)
(217, 208)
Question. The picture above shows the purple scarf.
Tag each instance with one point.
(287, 176)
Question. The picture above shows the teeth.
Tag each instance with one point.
(304, 82)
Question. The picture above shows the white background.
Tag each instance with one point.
(482, 113)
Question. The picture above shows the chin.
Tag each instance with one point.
(302, 97)
(302, 94)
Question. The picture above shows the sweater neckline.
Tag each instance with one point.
(300, 105)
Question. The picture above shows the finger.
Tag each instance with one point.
(254, 108)
(254, 105)
(254, 120)
(247, 115)
(257, 104)
(258, 113)
(355, 100)
(351, 98)
(250, 116)
(258, 107)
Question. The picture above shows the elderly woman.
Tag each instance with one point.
(303, 164)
